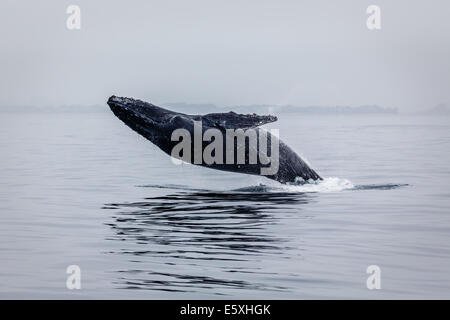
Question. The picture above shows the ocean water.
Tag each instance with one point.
(83, 189)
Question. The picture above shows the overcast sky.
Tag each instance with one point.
(226, 52)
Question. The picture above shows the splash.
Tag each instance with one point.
(327, 185)
(331, 184)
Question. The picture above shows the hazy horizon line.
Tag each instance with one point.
(441, 108)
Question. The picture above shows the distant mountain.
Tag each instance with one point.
(190, 108)
(317, 109)
(440, 109)
(209, 108)
(50, 109)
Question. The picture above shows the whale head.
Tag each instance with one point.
(154, 123)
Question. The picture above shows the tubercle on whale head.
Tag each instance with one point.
(144, 118)
(137, 109)
(144, 109)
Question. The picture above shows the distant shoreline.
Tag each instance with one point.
(211, 108)
(191, 108)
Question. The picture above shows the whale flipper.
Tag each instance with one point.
(232, 120)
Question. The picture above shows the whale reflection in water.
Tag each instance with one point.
(196, 240)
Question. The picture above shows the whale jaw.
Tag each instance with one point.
(145, 118)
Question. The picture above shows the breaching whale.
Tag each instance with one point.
(158, 125)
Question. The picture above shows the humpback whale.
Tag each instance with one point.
(159, 125)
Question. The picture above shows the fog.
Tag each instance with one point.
(226, 53)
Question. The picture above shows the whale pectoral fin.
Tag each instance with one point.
(232, 120)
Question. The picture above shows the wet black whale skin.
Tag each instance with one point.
(157, 124)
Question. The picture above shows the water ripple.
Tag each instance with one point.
(200, 227)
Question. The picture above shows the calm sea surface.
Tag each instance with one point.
(83, 189)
